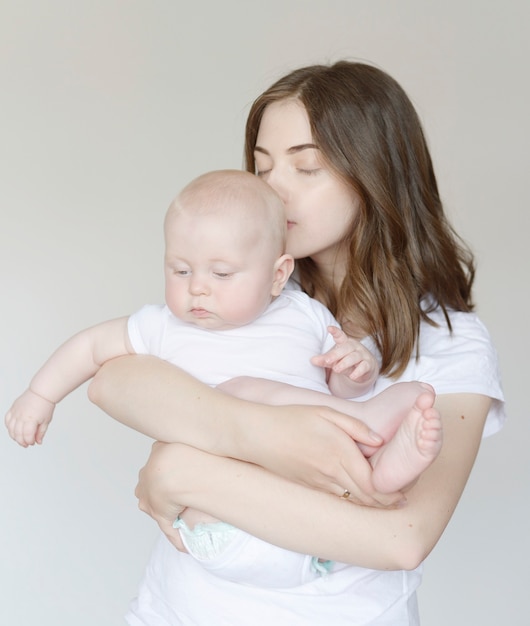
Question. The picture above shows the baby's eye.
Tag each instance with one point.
(223, 274)
(182, 272)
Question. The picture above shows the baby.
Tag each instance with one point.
(229, 321)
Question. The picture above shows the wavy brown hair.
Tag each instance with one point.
(404, 258)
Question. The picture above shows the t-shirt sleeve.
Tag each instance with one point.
(461, 361)
(465, 361)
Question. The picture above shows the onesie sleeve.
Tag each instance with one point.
(146, 329)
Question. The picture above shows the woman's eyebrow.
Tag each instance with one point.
(292, 149)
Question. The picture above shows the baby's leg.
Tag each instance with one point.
(404, 411)
(383, 413)
(411, 450)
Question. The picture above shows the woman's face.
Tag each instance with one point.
(320, 207)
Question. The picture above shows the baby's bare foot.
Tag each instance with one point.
(386, 411)
(411, 450)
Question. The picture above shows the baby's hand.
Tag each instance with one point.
(348, 357)
(27, 420)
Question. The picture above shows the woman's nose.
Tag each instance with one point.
(278, 183)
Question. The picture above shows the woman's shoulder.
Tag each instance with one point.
(459, 343)
(456, 359)
(453, 332)
(459, 359)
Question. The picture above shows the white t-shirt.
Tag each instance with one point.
(177, 590)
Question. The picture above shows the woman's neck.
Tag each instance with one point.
(332, 275)
(331, 269)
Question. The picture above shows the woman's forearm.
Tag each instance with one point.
(311, 445)
(265, 505)
(312, 522)
(164, 402)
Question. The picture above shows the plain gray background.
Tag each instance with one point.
(108, 108)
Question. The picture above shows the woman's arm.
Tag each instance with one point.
(312, 445)
(312, 522)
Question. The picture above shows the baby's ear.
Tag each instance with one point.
(283, 268)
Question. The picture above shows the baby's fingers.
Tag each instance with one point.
(337, 351)
(12, 426)
(334, 357)
(320, 360)
(25, 433)
(41, 431)
(22, 431)
(338, 334)
(359, 370)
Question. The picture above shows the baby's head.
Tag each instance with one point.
(225, 240)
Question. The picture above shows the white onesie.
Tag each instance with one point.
(277, 346)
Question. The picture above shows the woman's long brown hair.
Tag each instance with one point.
(402, 251)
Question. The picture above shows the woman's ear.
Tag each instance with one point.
(283, 268)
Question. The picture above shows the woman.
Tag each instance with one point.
(344, 148)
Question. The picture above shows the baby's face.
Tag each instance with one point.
(219, 272)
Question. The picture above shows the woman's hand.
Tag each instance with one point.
(314, 446)
(154, 491)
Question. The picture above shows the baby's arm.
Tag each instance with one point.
(352, 368)
(73, 363)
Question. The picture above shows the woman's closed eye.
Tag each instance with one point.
(309, 171)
